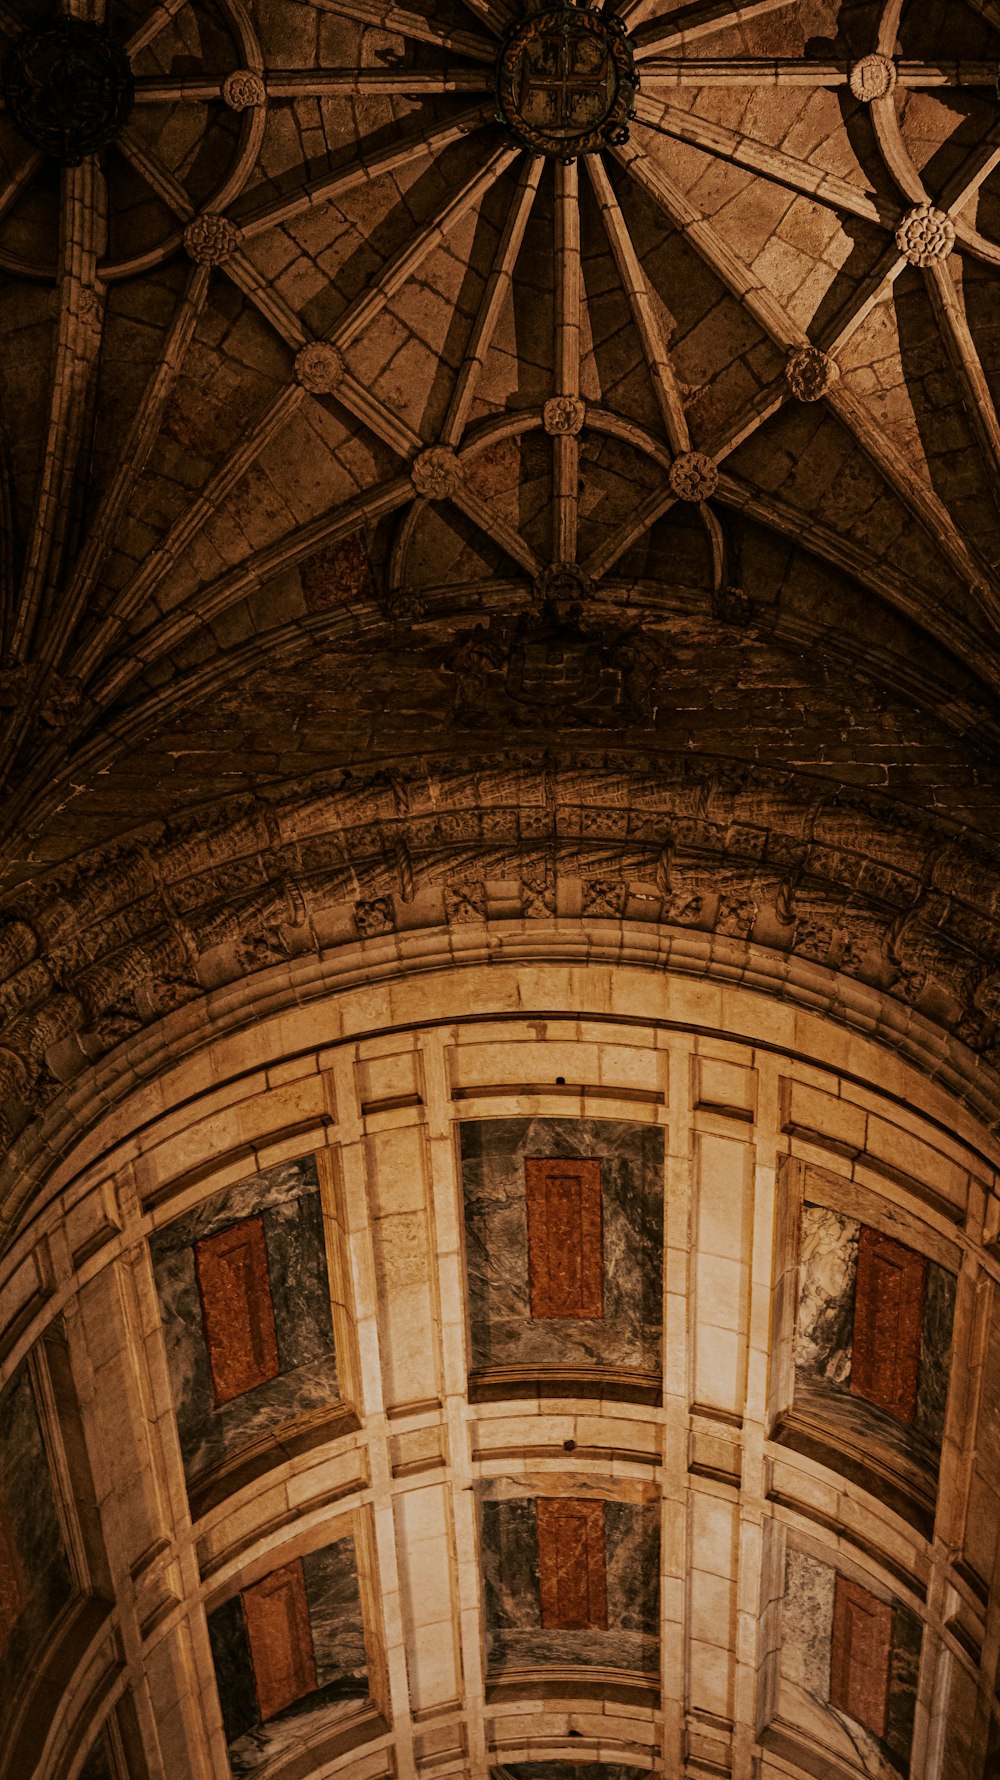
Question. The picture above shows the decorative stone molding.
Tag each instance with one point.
(211, 239)
(404, 605)
(604, 896)
(881, 895)
(580, 102)
(15, 680)
(373, 915)
(873, 77)
(68, 88)
(62, 700)
(563, 415)
(925, 234)
(810, 373)
(560, 581)
(693, 476)
(89, 308)
(465, 900)
(244, 90)
(436, 473)
(319, 367)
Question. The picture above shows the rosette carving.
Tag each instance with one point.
(925, 234)
(563, 414)
(210, 238)
(693, 476)
(436, 473)
(243, 90)
(319, 367)
(810, 373)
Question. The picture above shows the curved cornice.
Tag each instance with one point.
(878, 916)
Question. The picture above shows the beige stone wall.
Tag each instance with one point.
(752, 1095)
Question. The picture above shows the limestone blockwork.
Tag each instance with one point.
(759, 1550)
(499, 890)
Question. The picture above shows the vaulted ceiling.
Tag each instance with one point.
(312, 256)
(444, 516)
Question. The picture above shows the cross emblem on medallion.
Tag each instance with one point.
(566, 81)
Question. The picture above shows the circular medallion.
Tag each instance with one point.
(68, 88)
(873, 78)
(566, 81)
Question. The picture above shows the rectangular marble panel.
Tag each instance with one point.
(844, 1384)
(313, 1621)
(504, 1330)
(571, 1564)
(935, 1354)
(334, 1599)
(901, 1701)
(888, 1315)
(859, 1654)
(285, 1201)
(40, 1583)
(281, 1650)
(565, 1244)
(236, 1308)
(512, 1554)
(848, 1663)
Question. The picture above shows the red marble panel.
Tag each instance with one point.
(11, 1578)
(859, 1655)
(236, 1308)
(572, 1571)
(565, 1245)
(888, 1313)
(281, 1646)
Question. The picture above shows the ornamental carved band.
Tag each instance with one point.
(68, 89)
(693, 476)
(925, 234)
(810, 373)
(566, 82)
(210, 239)
(243, 90)
(873, 78)
(563, 414)
(319, 367)
(436, 473)
(561, 581)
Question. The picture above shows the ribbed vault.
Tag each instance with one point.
(499, 670)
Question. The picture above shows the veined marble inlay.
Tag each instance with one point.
(287, 1201)
(33, 1535)
(629, 1333)
(824, 1338)
(805, 1656)
(510, 1559)
(338, 1648)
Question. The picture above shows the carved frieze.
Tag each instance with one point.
(836, 883)
(557, 665)
(374, 915)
